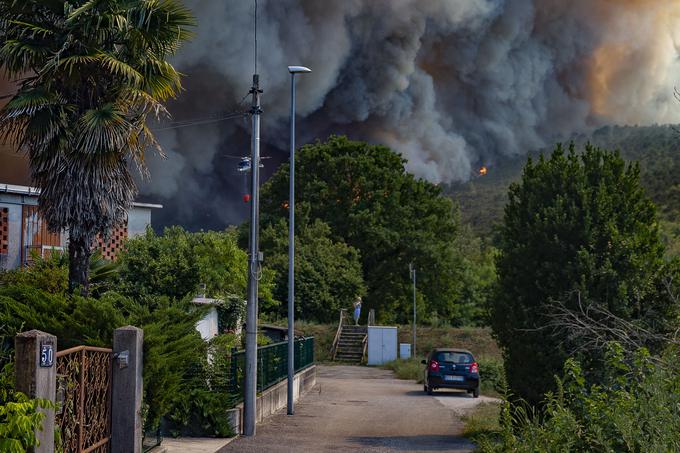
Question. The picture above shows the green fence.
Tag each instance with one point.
(272, 365)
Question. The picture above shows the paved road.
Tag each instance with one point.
(364, 409)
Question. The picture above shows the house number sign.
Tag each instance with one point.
(46, 355)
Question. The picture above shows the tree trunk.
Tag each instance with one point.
(79, 252)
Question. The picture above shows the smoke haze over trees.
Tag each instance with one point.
(450, 85)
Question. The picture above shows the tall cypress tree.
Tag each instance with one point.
(578, 229)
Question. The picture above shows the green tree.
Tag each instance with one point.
(327, 273)
(578, 229)
(371, 203)
(176, 263)
(90, 72)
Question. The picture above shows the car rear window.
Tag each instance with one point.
(454, 357)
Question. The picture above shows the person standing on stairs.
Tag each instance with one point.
(357, 310)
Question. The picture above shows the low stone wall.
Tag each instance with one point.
(276, 398)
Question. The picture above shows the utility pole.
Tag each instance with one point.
(250, 397)
(412, 271)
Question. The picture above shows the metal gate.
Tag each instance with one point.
(84, 399)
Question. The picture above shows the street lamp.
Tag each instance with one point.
(291, 240)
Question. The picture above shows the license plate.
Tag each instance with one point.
(454, 378)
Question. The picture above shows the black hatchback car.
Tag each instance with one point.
(451, 368)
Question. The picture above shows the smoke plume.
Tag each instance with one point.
(449, 84)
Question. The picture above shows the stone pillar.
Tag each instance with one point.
(36, 376)
(126, 392)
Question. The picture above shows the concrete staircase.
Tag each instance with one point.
(351, 344)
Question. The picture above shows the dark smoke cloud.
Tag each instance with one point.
(449, 84)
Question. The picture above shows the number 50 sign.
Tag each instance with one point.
(46, 355)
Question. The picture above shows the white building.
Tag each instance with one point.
(22, 231)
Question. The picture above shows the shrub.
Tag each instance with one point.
(19, 415)
(492, 375)
(635, 408)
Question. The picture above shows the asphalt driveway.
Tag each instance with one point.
(364, 409)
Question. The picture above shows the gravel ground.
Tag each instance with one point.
(365, 409)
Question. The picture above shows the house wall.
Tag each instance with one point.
(14, 199)
(139, 218)
(13, 257)
(208, 326)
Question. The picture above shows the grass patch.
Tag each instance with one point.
(483, 422)
(407, 369)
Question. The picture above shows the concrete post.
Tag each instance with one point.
(126, 391)
(36, 376)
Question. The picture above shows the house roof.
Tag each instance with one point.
(206, 301)
(34, 191)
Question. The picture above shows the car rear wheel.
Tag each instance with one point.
(429, 390)
(475, 393)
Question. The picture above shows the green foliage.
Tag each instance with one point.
(19, 415)
(328, 273)
(635, 408)
(97, 70)
(161, 265)
(74, 320)
(172, 347)
(478, 279)
(373, 205)
(407, 368)
(48, 274)
(492, 375)
(578, 227)
(176, 263)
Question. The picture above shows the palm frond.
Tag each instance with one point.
(102, 130)
(17, 56)
(32, 30)
(161, 80)
(74, 61)
(27, 102)
(76, 13)
(120, 68)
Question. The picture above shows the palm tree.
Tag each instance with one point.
(89, 73)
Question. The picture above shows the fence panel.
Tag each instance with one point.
(84, 398)
(272, 365)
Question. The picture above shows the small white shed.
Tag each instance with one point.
(208, 326)
(382, 345)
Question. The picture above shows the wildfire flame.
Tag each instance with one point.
(483, 171)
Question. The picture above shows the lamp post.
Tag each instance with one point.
(291, 240)
(412, 271)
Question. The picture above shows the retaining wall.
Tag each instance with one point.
(276, 398)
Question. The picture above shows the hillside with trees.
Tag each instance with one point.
(656, 148)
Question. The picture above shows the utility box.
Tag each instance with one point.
(382, 345)
(404, 350)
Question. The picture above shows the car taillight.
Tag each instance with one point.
(434, 366)
(474, 368)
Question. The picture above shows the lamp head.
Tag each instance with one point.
(298, 69)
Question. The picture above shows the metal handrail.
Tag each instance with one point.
(82, 348)
(371, 317)
(336, 340)
(363, 356)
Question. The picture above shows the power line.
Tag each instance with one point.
(198, 122)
